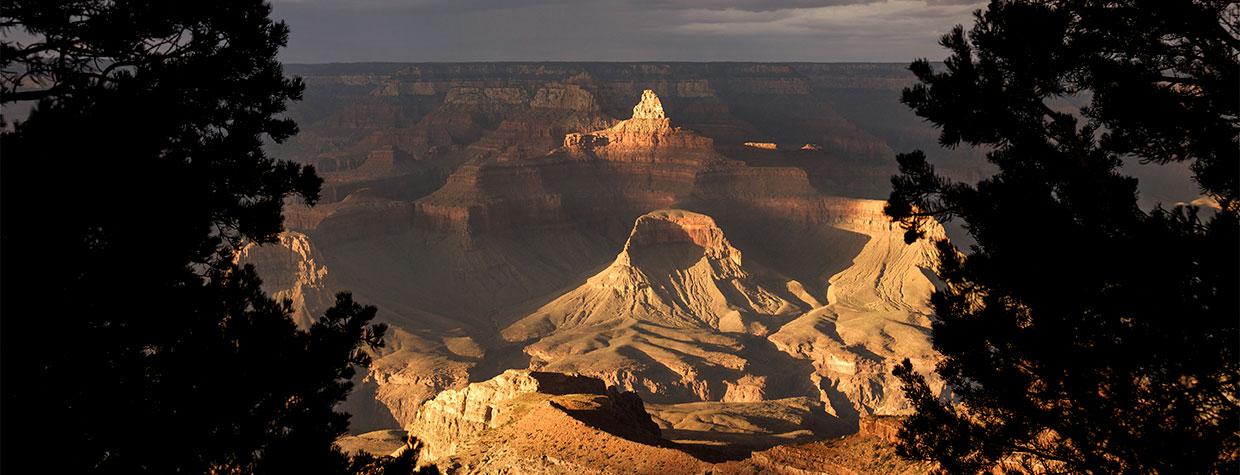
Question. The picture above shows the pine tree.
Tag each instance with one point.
(132, 341)
(1081, 332)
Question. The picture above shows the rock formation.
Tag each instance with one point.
(649, 109)
(291, 270)
(676, 270)
(877, 315)
(869, 451)
(546, 423)
(377, 443)
(567, 218)
(743, 426)
(452, 422)
(658, 319)
(442, 115)
(663, 319)
(647, 135)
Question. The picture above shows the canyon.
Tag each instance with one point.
(536, 422)
(598, 252)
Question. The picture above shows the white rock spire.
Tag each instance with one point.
(649, 107)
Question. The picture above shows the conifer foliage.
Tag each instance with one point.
(132, 341)
(1081, 332)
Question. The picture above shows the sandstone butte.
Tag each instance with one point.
(705, 308)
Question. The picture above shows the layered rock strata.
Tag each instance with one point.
(527, 191)
(454, 419)
(660, 319)
(877, 315)
(675, 315)
(291, 269)
(543, 423)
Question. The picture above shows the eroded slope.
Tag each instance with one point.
(528, 233)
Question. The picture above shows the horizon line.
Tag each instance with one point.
(328, 63)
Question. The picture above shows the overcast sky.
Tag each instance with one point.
(618, 30)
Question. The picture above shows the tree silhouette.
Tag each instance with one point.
(1082, 333)
(132, 341)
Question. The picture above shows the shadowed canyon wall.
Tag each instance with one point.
(609, 219)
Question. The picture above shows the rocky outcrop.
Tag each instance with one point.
(744, 426)
(669, 318)
(649, 131)
(567, 97)
(378, 443)
(677, 316)
(856, 454)
(649, 109)
(602, 178)
(454, 419)
(572, 435)
(412, 369)
(762, 145)
(877, 314)
(291, 269)
(882, 427)
(467, 95)
(748, 388)
(676, 270)
(543, 423)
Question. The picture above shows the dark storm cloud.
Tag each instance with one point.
(467, 5)
(610, 30)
